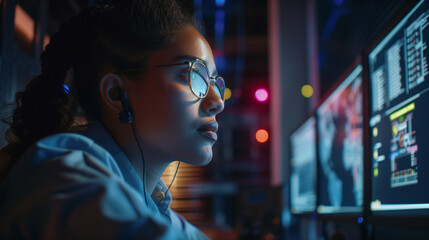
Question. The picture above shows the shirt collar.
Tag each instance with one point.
(160, 198)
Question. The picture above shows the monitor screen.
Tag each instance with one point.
(303, 167)
(339, 127)
(399, 117)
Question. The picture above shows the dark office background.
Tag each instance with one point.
(241, 194)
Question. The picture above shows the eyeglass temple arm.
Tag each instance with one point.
(159, 66)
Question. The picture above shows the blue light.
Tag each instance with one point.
(332, 22)
(198, 10)
(360, 219)
(220, 63)
(220, 15)
(220, 3)
(198, 3)
(219, 27)
(66, 88)
(314, 216)
(286, 217)
(338, 2)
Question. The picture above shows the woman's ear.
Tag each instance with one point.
(109, 87)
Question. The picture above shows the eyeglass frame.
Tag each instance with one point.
(212, 80)
(190, 63)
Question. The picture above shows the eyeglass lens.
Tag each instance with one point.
(199, 79)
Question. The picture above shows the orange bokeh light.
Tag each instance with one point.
(262, 135)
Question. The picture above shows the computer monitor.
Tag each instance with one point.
(340, 149)
(399, 117)
(303, 164)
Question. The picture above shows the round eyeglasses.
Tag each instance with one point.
(199, 79)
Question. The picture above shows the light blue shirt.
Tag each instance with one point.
(71, 186)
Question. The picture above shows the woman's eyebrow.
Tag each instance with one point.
(189, 58)
(193, 58)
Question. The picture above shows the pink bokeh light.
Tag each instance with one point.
(261, 95)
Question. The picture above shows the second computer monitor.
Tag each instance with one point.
(340, 172)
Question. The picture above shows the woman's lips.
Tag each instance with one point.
(209, 130)
(209, 134)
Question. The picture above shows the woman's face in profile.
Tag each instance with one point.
(169, 117)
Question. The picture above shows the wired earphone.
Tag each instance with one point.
(126, 116)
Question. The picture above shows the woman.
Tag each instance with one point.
(145, 80)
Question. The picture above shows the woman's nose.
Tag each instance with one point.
(213, 103)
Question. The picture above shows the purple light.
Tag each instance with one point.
(261, 95)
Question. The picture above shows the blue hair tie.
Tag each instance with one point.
(66, 89)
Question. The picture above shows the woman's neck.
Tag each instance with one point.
(155, 160)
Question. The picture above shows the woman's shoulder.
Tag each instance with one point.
(65, 141)
(68, 148)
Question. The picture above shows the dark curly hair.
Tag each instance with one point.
(122, 34)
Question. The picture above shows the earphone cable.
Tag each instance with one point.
(174, 177)
(144, 162)
(144, 165)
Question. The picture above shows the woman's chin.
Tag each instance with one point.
(200, 158)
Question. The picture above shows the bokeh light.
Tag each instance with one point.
(220, 3)
(228, 93)
(261, 95)
(262, 135)
(307, 91)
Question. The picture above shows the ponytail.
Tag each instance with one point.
(44, 107)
